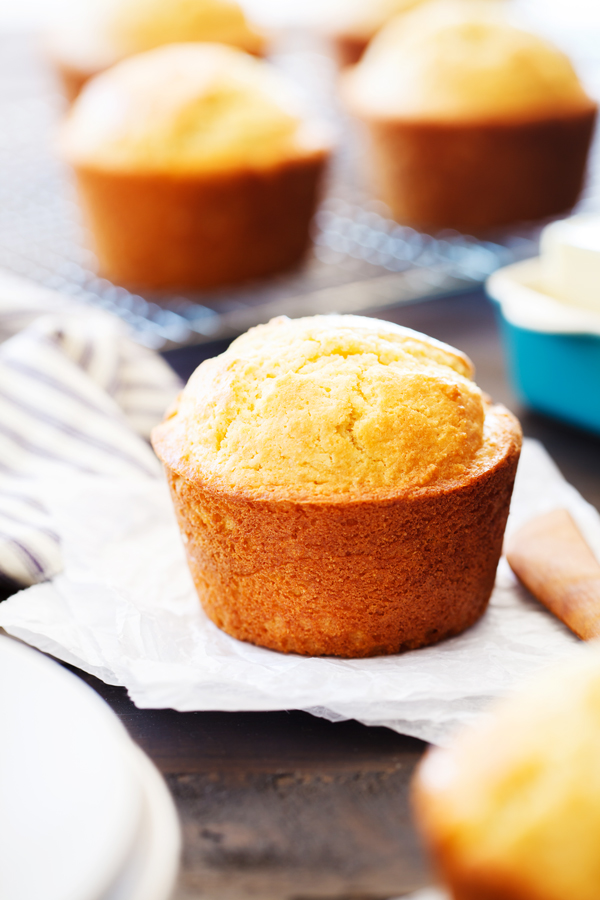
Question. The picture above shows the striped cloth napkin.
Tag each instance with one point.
(76, 395)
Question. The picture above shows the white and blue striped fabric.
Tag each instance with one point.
(76, 394)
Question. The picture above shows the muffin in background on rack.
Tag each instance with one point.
(511, 808)
(341, 485)
(100, 33)
(197, 166)
(350, 25)
(472, 122)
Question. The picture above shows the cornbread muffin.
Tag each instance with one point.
(351, 24)
(511, 810)
(101, 33)
(196, 166)
(341, 485)
(472, 122)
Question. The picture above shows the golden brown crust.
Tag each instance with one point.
(349, 577)
(472, 176)
(200, 231)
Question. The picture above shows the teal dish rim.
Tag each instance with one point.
(553, 373)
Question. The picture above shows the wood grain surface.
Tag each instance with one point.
(283, 804)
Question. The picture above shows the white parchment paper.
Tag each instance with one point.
(125, 610)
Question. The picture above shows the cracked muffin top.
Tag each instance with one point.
(330, 405)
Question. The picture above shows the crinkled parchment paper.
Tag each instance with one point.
(125, 610)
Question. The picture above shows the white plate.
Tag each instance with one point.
(70, 802)
(151, 870)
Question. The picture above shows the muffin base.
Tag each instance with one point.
(476, 176)
(349, 578)
(200, 231)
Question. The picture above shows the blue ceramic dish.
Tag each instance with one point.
(552, 349)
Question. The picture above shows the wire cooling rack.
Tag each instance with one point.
(361, 259)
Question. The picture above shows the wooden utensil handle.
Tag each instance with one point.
(551, 558)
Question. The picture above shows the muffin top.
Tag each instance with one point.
(515, 801)
(102, 32)
(188, 107)
(329, 405)
(453, 61)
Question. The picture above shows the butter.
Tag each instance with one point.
(570, 261)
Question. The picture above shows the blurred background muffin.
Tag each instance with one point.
(97, 35)
(511, 809)
(351, 24)
(196, 165)
(472, 121)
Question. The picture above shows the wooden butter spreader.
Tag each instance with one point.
(551, 558)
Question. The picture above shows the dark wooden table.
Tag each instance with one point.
(285, 805)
